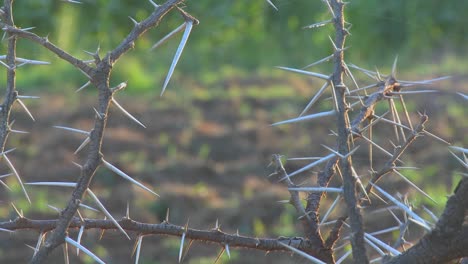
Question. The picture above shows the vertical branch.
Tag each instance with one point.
(344, 138)
(11, 93)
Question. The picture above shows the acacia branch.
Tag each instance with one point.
(344, 137)
(448, 240)
(44, 41)
(100, 78)
(214, 235)
(11, 93)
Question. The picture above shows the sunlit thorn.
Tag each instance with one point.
(382, 244)
(119, 87)
(272, 5)
(167, 216)
(78, 165)
(5, 185)
(154, 4)
(416, 218)
(15, 172)
(313, 74)
(332, 206)
(309, 166)
(25, 109)
(54, 208)
(5, 65)
(78, 239)
(181, 248)
(28, 97)
(134, 21)
(414, 186)
(180, 48)
(459, 149)
(128, 178)
(79, 131)
(88, 207)
(82, 145)
(226, 248)
(138, 248)
(430, 213)
(343, 258)
(394, 66)
(187, 249)
(40, 239)
(168, 36)
(315, 98)
(329, 8)
(436, 137)
(301, 253)
(98, 115)
(464, 163)
(83, 86)
(72, 1)
(126, 113)
(318, 24)
(127, 212)
(85, 250)
(18, 212)
(306, 117)
(374, 246)
(464, 96)
(104, 210)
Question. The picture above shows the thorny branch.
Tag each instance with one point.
(450, 226)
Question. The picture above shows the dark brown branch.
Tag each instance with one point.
(213, 235)
(11, 93)
(448, 240)
(100, 78)
(344, 138)
(44, 41)
(143, 26)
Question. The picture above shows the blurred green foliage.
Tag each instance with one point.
(245, 35)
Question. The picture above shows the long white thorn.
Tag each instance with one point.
(15, 172)
(313, 74)
(332, 206)
(183, 41)
(301, 253)
(181, 249)
(405, 208)
(104, 210)
(85, 250)
(307, 117)
(25, 109)
(271, 3)
(56, 184)
(127, 113)
(464, 96)
(318, 24)
(82, 145)
(414, 186)
(315, 98)
(78, 239)
(317, 189)
(73, 130)
(311, 165)
(138, 249)
(83, 86)
(125, 176)
(382, 244)
(168, 36)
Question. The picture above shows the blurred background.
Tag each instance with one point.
(209, 139)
